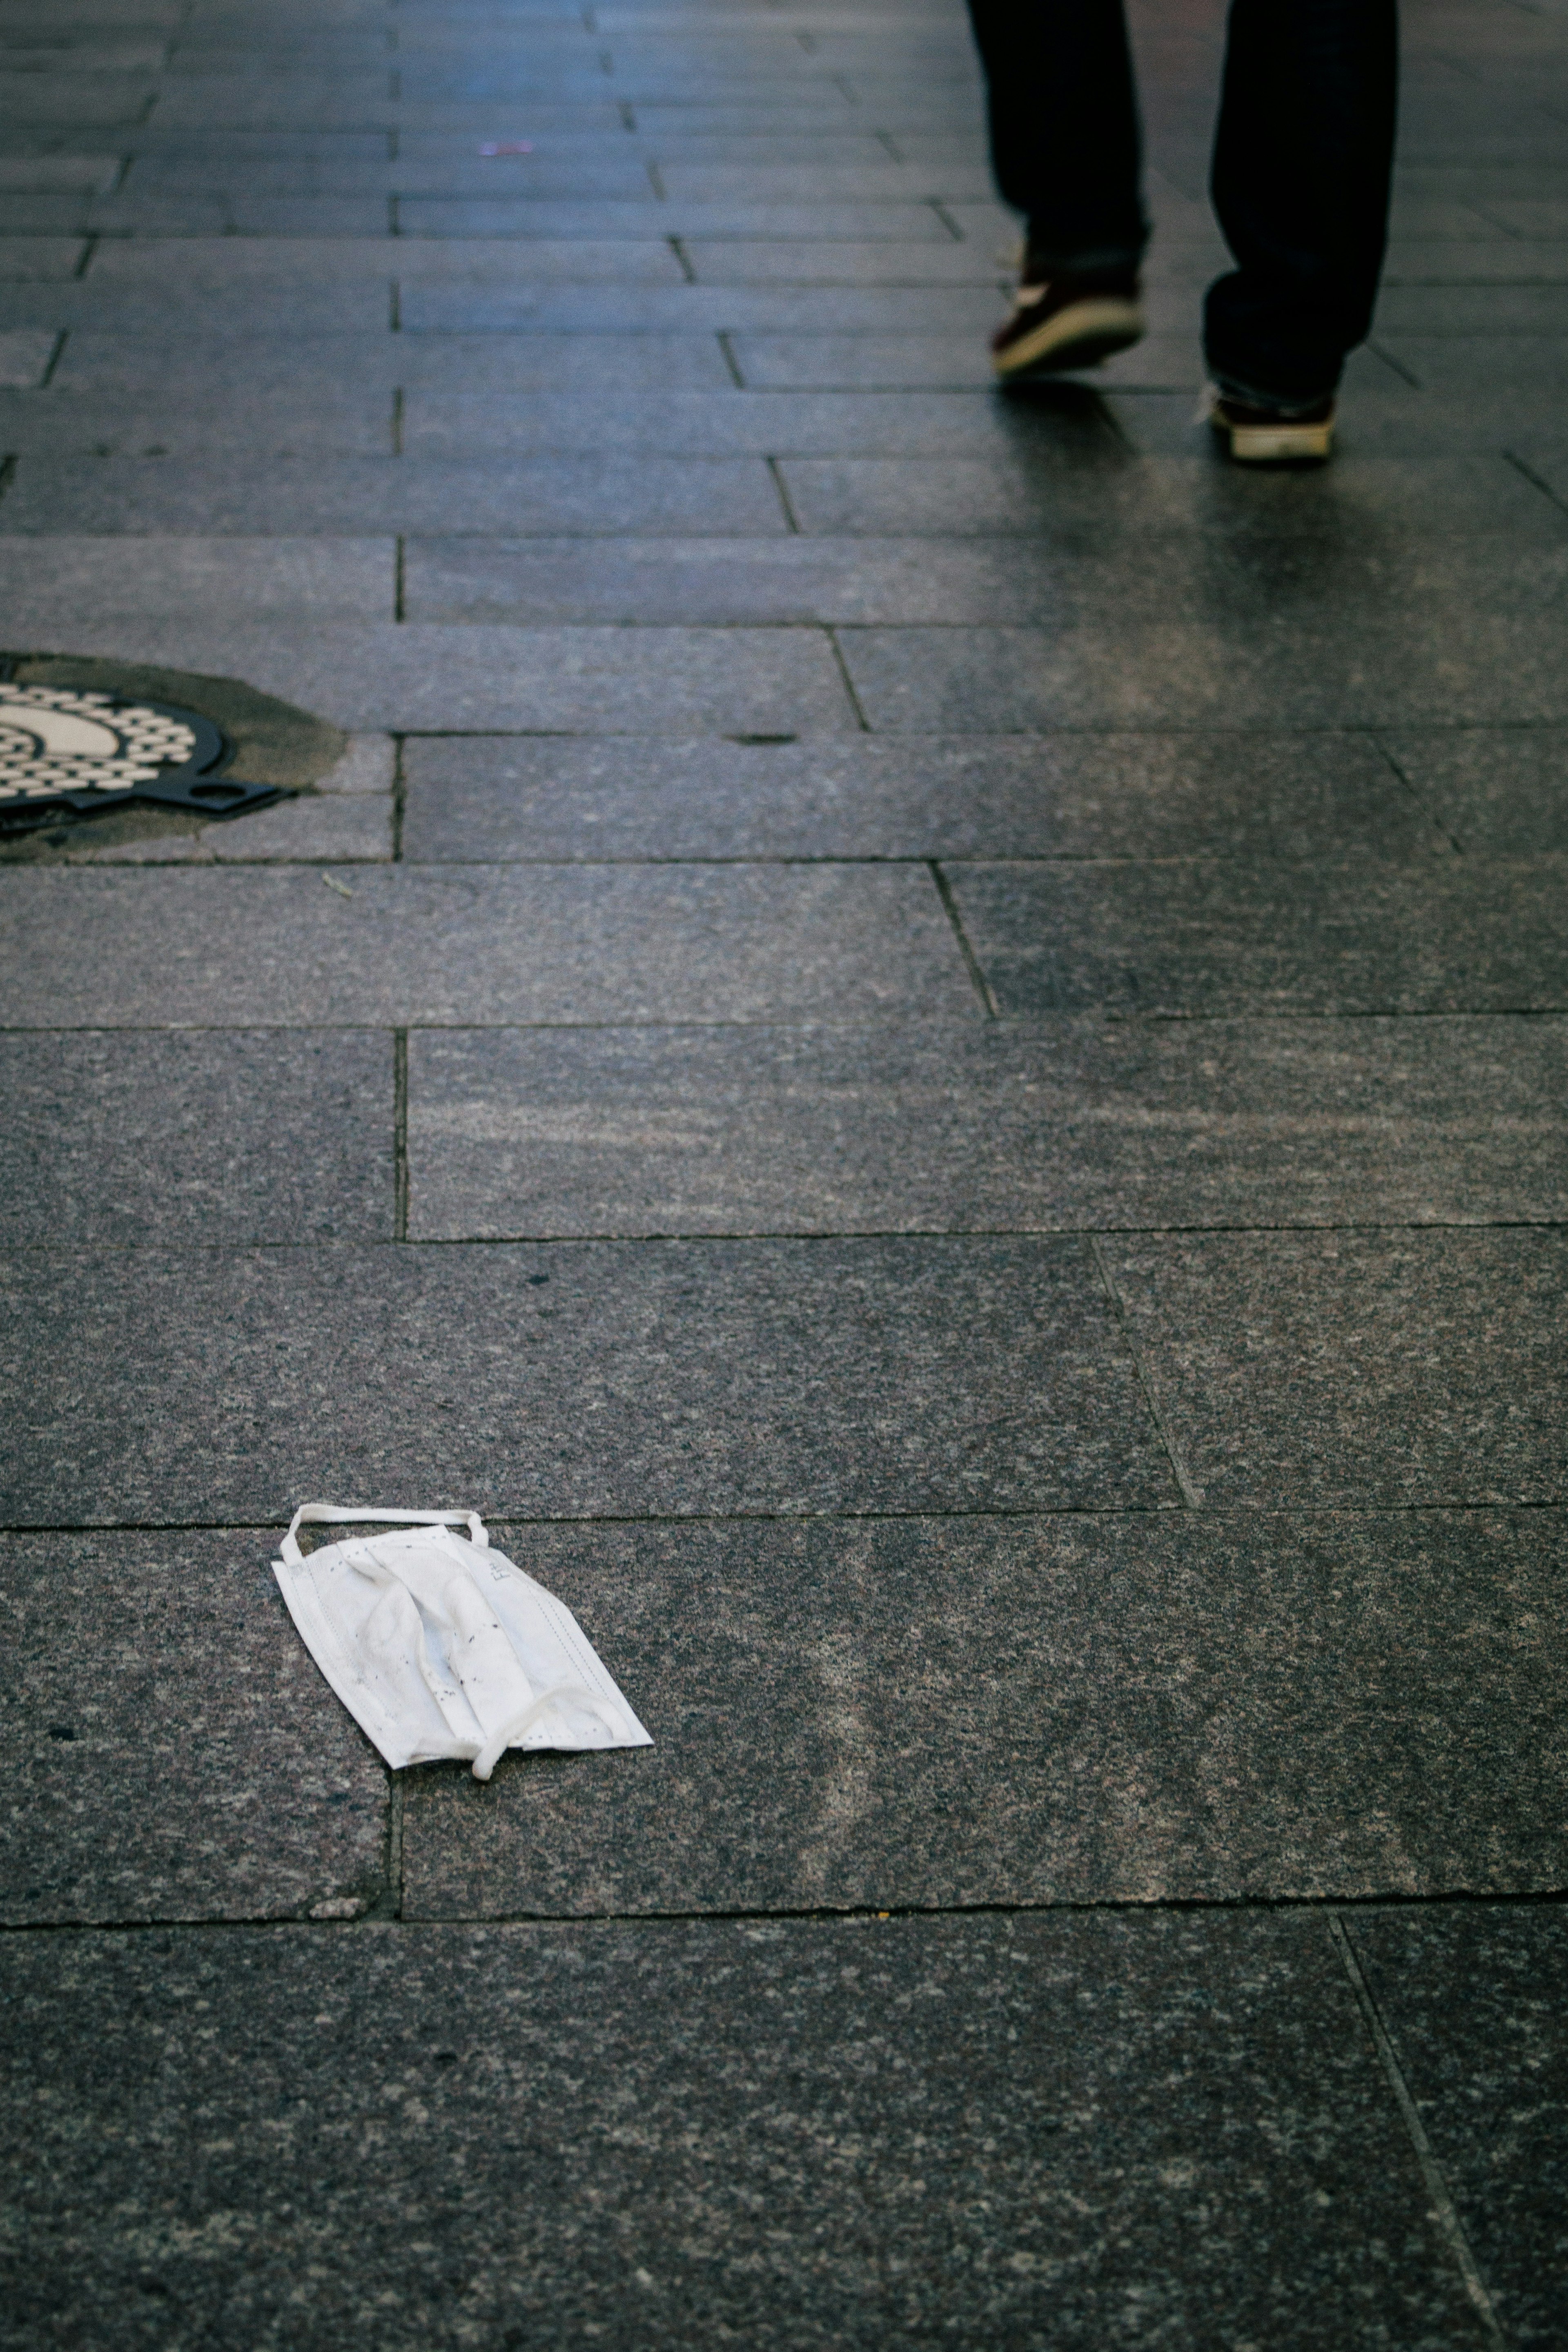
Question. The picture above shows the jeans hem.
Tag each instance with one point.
(1076, 260)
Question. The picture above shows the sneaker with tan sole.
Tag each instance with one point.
(1273, 436)
(1065, 322)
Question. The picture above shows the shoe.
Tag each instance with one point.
(1273, 436)
(1062, 321)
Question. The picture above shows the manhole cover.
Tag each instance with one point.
(65, 747)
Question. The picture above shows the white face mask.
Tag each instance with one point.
(439, 1648)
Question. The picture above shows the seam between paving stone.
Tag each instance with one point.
(400, 1134)
(812, 1236)
(1192, 1494)
(1305, 1906)
(1015, 1024)
(1214, 1515)
(1443, 2210)
(1271, 729)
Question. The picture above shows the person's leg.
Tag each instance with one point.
(1065, 150)
(1301, 165)
(1065, 143)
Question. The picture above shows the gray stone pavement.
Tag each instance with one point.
(923, 1038)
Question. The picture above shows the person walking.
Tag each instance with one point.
(1302, 159)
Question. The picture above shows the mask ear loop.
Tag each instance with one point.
(332, 1516)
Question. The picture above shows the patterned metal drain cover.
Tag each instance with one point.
(87, 751)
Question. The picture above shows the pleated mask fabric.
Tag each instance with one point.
(442, 1647)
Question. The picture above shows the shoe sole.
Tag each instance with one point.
(1279, 445)
(1080, 336)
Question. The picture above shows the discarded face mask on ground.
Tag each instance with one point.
(440, 1647)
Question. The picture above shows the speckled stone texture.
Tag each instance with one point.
(1083, 2132)
(1068, 1709)
(171, 1750)
(1194, 939)
(919, 1035)
(698, 1376)
(1374, 640)
(197, 1136)
(964, 1126)
(1042, 796)
(395, 945)
(1473, 2001)
(1356, 1367)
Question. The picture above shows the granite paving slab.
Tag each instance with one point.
(889, 360)
(676, 142)
(619, 1378)
(559, 169)
(48, 215)
(399, 944)
(172, 1750)
(581, 116)
(646, 216)
(1068, 1126)
(25, 258)
(951, 1712)
(275, 101)
(715, 579)
(292, 217)
(869, 178)
(484, 261)
(970, 2132)
(830, 261)
(222, 266)
(726, 577)
(60, 214)
(1108, 506)
(1473, 1999)
(757, 83)
(1457, 369)
(1426, 262)
(367, 765)
(195, 1136)
(656, 126)
(281, 497)
(343, 420)
(32, 101)
(184, 311)
(96, 173)
(1355, 1367)
(1500, 791)
(219, 268)
(850, 315)
(1163, 363)
(25, 356)
(1297, 633)
(53, 581)
(240, 365)
(317, 827)
(1546, 462)
(1474, 309)
(1541, 219)
(559, 681)
(1186, 937)
(314, 828)
(728, 423)
(1064, 795)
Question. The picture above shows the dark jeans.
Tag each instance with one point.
(1301, 163)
